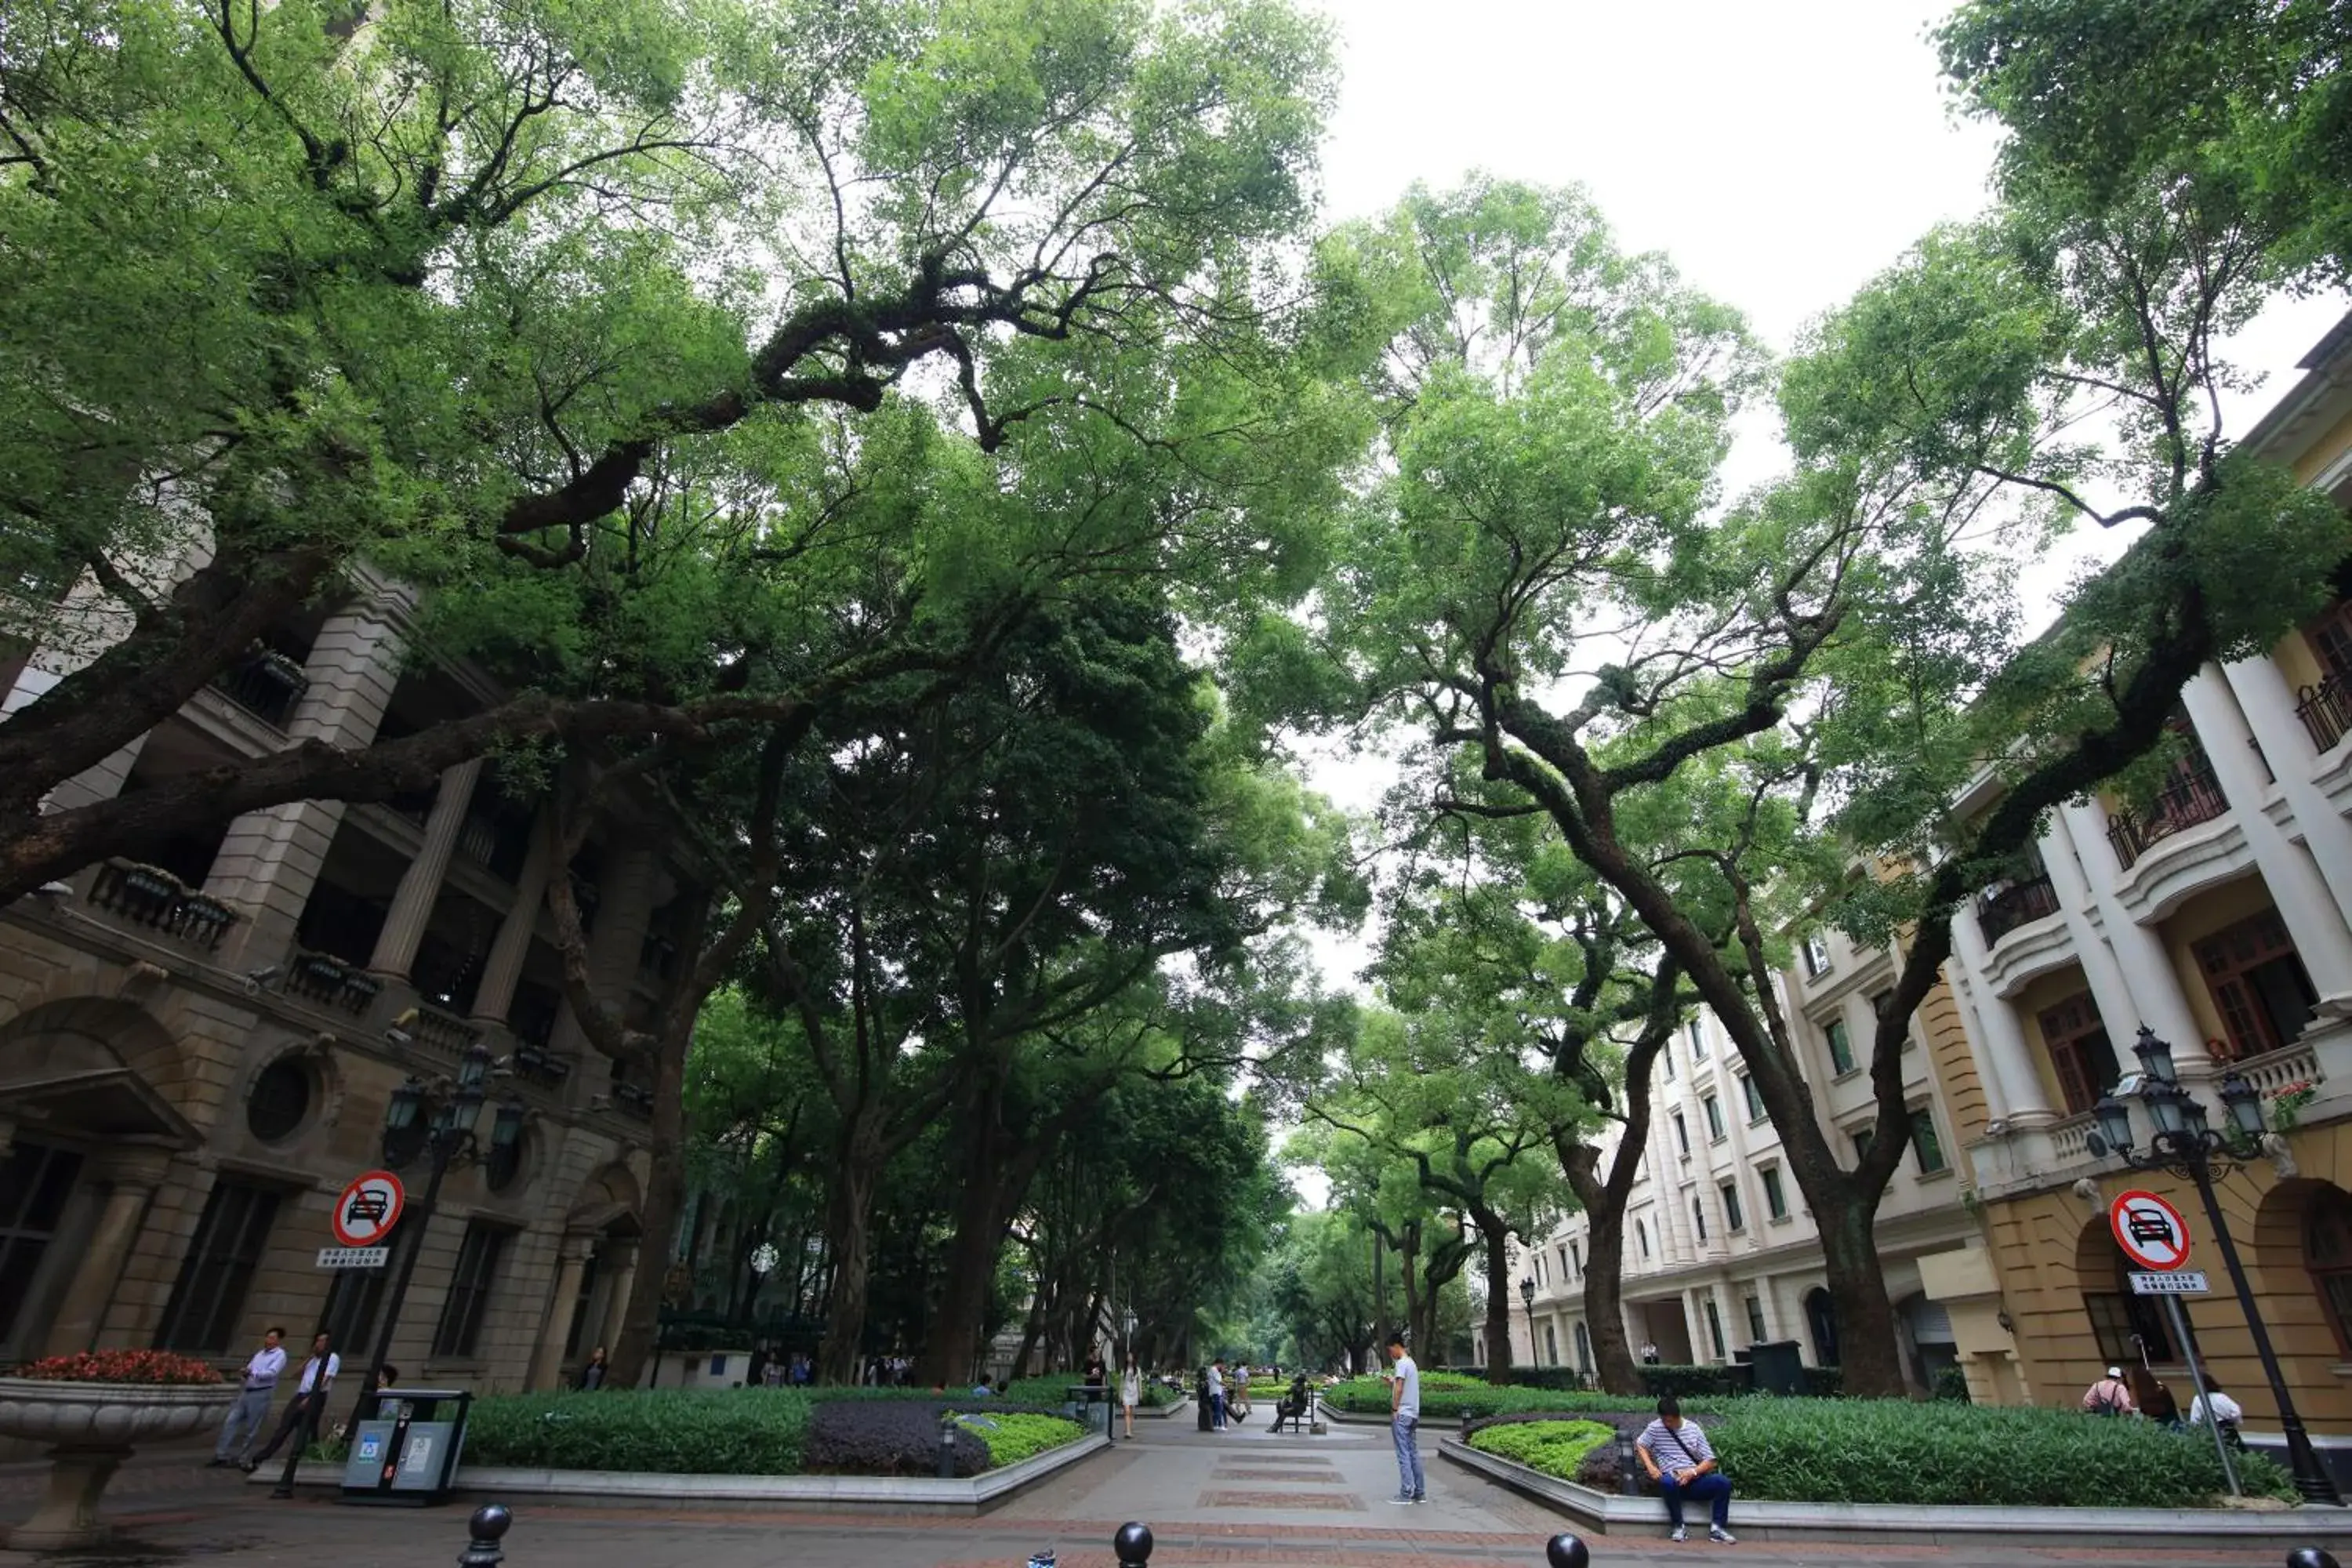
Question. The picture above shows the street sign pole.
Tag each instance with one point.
(2196, 1379)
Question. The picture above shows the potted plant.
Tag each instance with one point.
(92, 1410)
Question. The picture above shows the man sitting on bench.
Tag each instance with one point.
(1291, 1407)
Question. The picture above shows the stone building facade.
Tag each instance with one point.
(196, 1052)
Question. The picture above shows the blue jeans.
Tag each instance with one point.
(1409, 1482)
(1216, 1412)
(1714, 1487)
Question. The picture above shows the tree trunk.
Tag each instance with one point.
(851, 1243)
(1870, 1356)
(1499, 1296)
(665, 1201)
(1407, 1256)
(1605, 1311)
(1030, 1333)
(954, 1344)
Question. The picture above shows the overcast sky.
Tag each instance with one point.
(1780, 154)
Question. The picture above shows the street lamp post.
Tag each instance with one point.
(2186, 1147)
(1528, 1296)
(436, 1120)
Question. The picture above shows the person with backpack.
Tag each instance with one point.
(2110, 1395)
(2220, 1409)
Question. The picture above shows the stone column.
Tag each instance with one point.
(2311, 881)
(420, 885)
(132, 1175)
(503, 969)
(621, 1255)
(547, 1362)
(2013, 1088)
(269, 862)
(2131, 976)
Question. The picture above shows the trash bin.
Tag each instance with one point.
(1779, 1366)
(407, 1458)
(1089, 1405)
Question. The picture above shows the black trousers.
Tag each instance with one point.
(297, 1417)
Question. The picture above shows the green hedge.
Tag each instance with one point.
(1453, 1400)
(1051, 1391)
(672, 1431)
(1555, 1447)
(680, 1431)
(1942, 1453)
(1015, 1437)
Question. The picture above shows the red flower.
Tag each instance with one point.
(151, 1367)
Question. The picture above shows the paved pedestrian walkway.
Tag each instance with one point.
(1242, 1499)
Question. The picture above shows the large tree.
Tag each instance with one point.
(1545, 581)
(484, 294)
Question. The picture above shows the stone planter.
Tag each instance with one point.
(92, 1427)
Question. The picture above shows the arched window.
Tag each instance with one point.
(2327, 1253)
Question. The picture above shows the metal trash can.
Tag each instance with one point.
(407, 1458)
(1090, 1405)
(1780, 1367)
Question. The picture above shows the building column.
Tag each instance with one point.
(503, 970)
(2132, 977)
(547, 1362)
(2311, 881)
(2295, 887)
(623, 1254)
(132, 1175)
(2013, 1087)
(269, 861)
(420, 885)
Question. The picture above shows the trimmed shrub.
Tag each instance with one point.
(873, 1438)
(1555, 1447)
(1697, 1381)
(1823, 1383)
(1016, 1436)
(1051, 1392)
(1452, 1401)
(676, 1431)
(1952, 1383)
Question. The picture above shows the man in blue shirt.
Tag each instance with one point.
(1681, 1461)
(1404, 1420)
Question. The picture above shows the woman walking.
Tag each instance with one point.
(1130, 1391)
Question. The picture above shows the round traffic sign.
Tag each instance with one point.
(368, 1209)
(2150, 1230)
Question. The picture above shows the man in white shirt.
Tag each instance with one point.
(1216, 1396)
(1404, 1424)
(309, 1401)
(251, 1411)
(2217, 1405)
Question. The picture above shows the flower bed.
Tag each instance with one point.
(1015, 1436)
(747, 1431)
(1893, 1451)
(154, 1369)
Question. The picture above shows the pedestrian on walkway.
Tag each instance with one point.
(592, 1376)
(1216, 1396)
(2109, 1395)
(1404, 1424)
(1130, 1391)
(309, 1401)
(1682, 1462)
(1241, 1391)
(251, 1412)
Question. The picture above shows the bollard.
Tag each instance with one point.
(947, 1451)
(2309, 1557)
(1133, 1545)
(490, 1526)
(1629, 1469)
(1567, 1551)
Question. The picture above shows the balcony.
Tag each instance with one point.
(152, 897)
(2020, 903)
(265, 683)
(332, 981)
(2326, 711)
(2191, 795)
(443, 1032)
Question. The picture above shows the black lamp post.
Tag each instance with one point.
(2187, 1147)
(1528, 1296)
(436, 1120)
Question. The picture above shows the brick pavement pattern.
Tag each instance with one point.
(175, 1513)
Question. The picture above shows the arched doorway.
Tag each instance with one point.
(2302, 1241)
(2129, 1329)
(1821, 1324)
(595, 1272)
(91, 1140)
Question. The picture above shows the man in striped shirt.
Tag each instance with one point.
(1681, 1461)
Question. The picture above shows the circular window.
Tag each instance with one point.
(280, 1099)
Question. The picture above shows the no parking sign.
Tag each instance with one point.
(2150, 1230)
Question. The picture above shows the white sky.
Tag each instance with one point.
(1780, 154)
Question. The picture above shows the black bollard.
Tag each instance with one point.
(1567, 1551)
(1629, 1466)
(490, 1526)
(1133, 1544)
(2309, 1557)
(947, 1451)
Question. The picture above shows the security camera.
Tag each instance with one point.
(405, 1019)
(2087, 1190)
(254, 978)
(599, 1102)
(58, 889)
(399, 1037)
(502, 1067)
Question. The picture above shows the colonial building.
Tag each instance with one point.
(1720, 1250)
(2220, 918)
(197, 1051)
